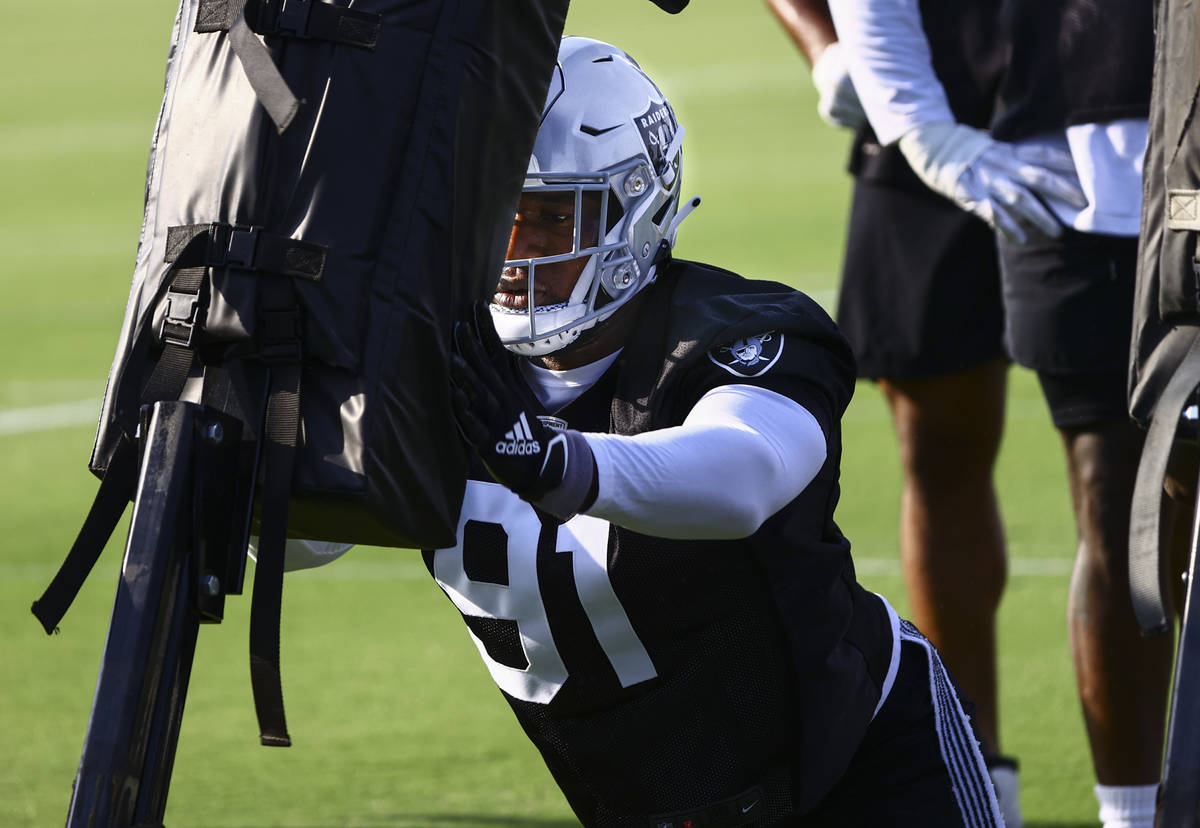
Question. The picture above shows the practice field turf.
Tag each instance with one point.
(395, 720)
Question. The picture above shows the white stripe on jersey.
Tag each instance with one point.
(972, 786)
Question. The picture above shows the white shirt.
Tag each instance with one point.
(888, 56)
(554, 389)
(1108, 160)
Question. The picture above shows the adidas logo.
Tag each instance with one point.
(518, 439)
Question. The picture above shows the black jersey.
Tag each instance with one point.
(1074, 62)
(659, 676)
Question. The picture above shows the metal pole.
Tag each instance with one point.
(108, 783)
(185, 552)
(1179, 790)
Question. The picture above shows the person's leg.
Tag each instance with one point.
(1122, 678)
(1067, 310)
(952, 542)
(920, 303)
(919, 764)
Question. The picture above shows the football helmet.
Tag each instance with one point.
(608, 135)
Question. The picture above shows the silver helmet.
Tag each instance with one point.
(608, 135)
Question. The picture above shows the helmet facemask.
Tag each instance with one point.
(609, 274)
(609, 147)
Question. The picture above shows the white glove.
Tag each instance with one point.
(838, 103)
(1003, 184)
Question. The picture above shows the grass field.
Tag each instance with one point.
(395, 721)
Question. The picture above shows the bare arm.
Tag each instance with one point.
(808, 23)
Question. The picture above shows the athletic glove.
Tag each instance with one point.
(1001, 183)
(553, 469)
(838, 104)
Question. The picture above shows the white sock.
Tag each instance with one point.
(1127, 806)
(1007, 786)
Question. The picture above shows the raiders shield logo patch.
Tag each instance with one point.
(749, 357)
(657, 127)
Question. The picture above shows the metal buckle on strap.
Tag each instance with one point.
(179, 324)
(233, 246)
(292, 18)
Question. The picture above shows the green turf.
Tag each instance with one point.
(395, 720)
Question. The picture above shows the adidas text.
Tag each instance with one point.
(518, 447)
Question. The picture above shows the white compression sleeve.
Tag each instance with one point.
(888, 56)
(742, 453)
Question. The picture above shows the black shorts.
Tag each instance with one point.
(1069, 315)
(919, 764)
(1084, 399)
(920, 292)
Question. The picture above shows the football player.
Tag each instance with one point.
(920, 302)
(1058, 173)
(647, 558)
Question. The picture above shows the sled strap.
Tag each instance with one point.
(119, 483)
(265, 79)
(300, 19)
(116, 488)
(280, 348)
(314, 20)
(184, 316)
(244, 20)
(246, 248)
(1145, 576)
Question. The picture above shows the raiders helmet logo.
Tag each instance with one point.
(752, 356)
(657, 127)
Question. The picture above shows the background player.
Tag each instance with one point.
(1059, 176)
(920, 303)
